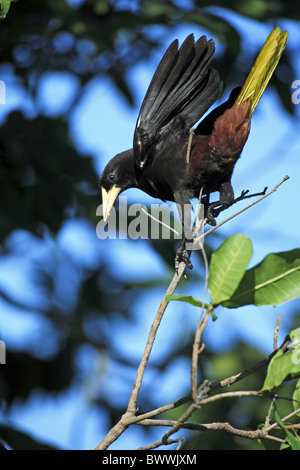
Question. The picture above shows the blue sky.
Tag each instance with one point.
(272, 151)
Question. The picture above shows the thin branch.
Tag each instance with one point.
(189, 147)
(157, 444)
(217, 426)
(162, 409)
(247, 207)
(268, 417)
(178, 424)
(199, 330)
(128, 417)
(151, 338)
(196, 349)
(276, 329)
(159, 221)
(262, 433)
(195, 405)
(216, 386)
(241, 375)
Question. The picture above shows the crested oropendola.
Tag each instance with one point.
(182, 89)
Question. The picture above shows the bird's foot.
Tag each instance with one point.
(245, 195)
(182, 255)
(214, 209)
(211, 214)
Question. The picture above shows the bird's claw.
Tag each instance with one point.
(210, 216)
(182, 255)
(215, 208)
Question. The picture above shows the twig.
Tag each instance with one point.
(187, 425)
(285, 418)
(217, 426)
(241, 375)
(200, 324)
(159, 221)
(128, 417)
(216, 386)
(157, 444)
(196, 349)
(189, 147)
(247, 207)
(195, 404)
(178, 424)
(268, 417)
(151, 338)
(163, 408)
(262, 433)
(276, 330)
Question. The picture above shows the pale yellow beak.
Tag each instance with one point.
(108, 199)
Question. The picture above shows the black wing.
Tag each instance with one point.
(183, 85)
(206, 126)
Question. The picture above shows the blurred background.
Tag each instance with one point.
(75, 311)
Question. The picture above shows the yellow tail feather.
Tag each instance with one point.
(263, 68)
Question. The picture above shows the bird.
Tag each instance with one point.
(172, 161)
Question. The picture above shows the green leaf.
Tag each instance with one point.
(296, 397)
(4, 7)
(227, 267)
(293, 440)
(188, 299)
(295, 335)
(282, 366)
(273, 281)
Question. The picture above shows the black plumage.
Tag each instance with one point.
(183, 88)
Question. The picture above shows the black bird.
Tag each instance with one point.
(182, 89)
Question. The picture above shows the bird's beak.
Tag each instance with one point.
(108, 199)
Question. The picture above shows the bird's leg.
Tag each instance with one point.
(244, 195)
(226, 198)
(208, 210)
(182, 255)
(184, 209)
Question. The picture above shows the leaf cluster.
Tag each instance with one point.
(276, 279)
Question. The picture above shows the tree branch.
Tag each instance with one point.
(128, 417)
(198, 394)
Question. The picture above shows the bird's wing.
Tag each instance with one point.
(183, 86)
(206, 126)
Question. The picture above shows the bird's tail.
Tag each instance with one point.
(263, 68)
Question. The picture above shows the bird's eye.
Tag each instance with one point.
(111, 177)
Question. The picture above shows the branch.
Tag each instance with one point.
(129, 416)
(241, 375)
(197, 349)
(262, 433)
(217, 426)
(216, 386)
(151, 338)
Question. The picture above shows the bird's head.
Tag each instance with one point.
(118, 175)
